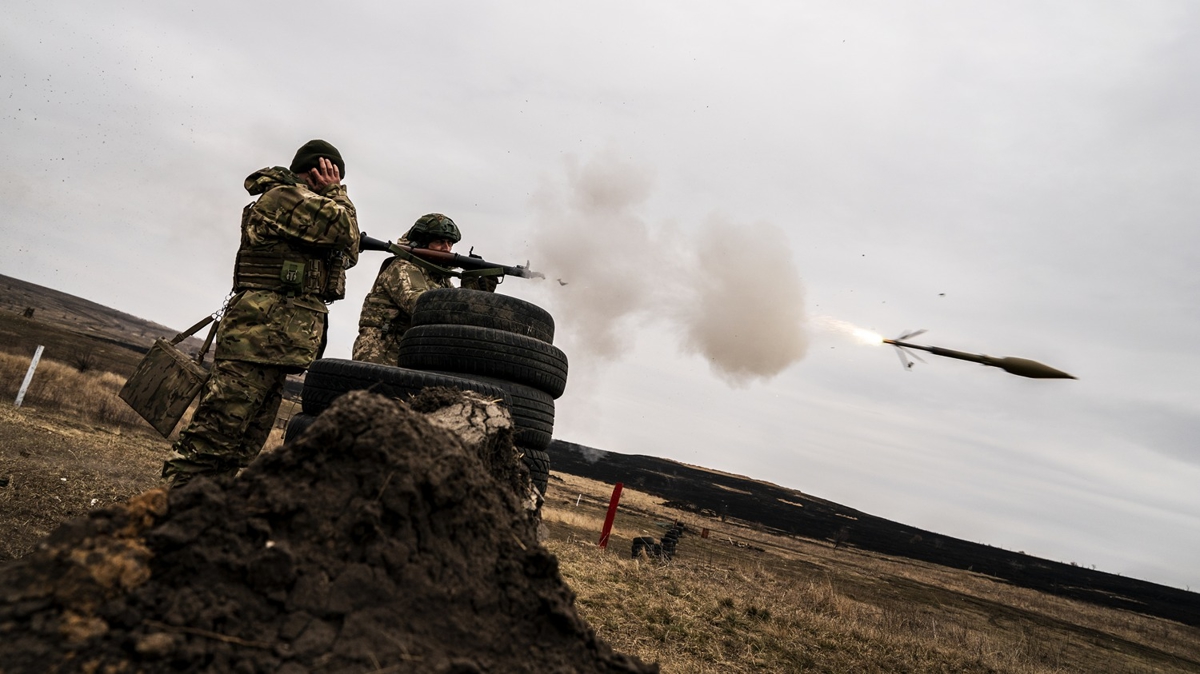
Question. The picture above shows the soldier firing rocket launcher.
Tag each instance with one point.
(446, 261)
(1022, 367)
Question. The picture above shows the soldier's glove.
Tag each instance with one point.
(480, 279)
(479, 282)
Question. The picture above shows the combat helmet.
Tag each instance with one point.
(431, 227)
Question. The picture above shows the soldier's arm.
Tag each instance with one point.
(325, 219)
(316, 211)
(404, 283)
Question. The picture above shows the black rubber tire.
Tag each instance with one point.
(463, 306)
(642, 544)
(669, 543)
(468, 350)
(532, 411)
(330, 378)
(297, 425)
(538, 462)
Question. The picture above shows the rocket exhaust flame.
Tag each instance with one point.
(849, 329)
(1022, 367)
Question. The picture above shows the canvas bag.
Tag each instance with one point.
(167, 380)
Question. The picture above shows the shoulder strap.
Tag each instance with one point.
(192, 330)
(425, 264)
(212, 332)
(215, 319)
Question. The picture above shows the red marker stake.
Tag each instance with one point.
(612, 514)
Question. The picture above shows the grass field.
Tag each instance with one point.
(801, 605)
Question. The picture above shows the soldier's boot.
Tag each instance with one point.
(187, 463)
(180, 472)
(177, 480)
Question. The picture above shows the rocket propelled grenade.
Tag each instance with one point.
(448, 261)
(1022, 367)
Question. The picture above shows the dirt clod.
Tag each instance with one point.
(378, 541)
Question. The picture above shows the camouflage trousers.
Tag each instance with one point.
(235, 414)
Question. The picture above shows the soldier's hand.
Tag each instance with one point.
(484, 283)
(324, 175)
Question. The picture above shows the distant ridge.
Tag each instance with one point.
(83, 316)
(782, 510)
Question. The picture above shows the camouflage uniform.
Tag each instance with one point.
(387, 310)
(296, 246)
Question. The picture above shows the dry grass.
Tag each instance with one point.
(801, 605)
(91, 394)
(696, 617)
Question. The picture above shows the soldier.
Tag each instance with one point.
(387, 309)
(298, 239)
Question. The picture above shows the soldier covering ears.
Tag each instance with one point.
(298, 240)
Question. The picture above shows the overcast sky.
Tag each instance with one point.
(717, 183)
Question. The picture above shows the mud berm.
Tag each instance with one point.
(389, 537)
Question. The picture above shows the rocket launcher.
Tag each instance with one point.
(446, 263)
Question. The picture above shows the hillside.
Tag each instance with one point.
(57, 320)
(781, 510)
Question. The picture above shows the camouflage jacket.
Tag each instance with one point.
(270, 326)
(387, 309)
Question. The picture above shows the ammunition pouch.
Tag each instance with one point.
(291, 273)
(335, 282)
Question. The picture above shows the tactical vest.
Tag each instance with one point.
(288, 268)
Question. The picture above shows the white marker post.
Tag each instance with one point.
(37, 355)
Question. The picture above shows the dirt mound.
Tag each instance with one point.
(379, 541)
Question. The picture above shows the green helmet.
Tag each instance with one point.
(431, 227)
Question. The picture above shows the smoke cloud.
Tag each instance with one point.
(728, 290)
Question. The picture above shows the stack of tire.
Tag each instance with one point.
(664, 550)
(495, 344)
